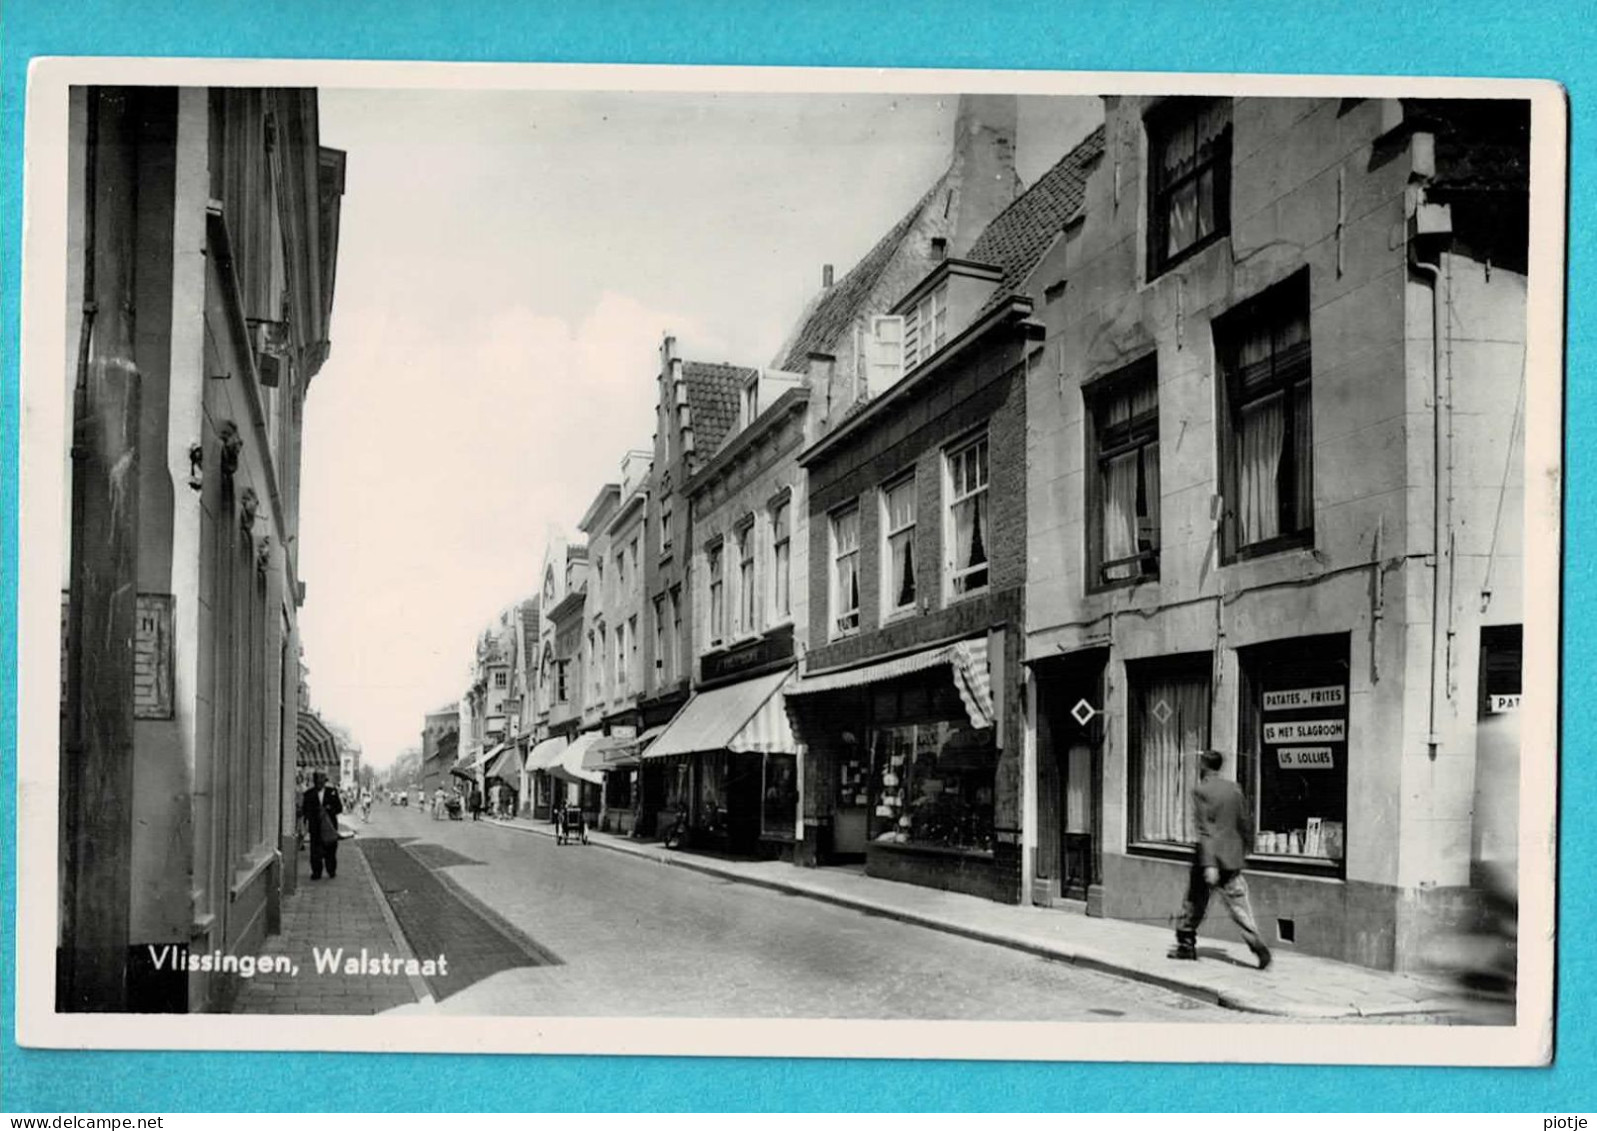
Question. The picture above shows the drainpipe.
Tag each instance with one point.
(1432, 225)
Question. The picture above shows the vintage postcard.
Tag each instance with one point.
(789, 562)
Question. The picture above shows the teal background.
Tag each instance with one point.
(1530, 39)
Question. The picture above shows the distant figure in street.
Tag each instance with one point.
(1220, 813)
(321, 808)
(366, 806)
(476, 804)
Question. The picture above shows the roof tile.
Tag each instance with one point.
(713, 391)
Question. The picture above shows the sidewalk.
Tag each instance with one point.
(347, 912)
(1295, 985)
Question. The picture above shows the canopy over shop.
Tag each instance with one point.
(730, 760)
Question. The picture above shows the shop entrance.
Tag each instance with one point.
(1070, 728)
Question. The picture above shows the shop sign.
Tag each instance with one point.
(774, 647)
(1502, 704)
(1308, 730)
(1294, 698)
(1306, 758)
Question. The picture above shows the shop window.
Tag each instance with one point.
(933, 785)
(1123, 491)
(781, 560)
(713, 558)
(1168, 727)
(967, 531)
(779, 794)
(1292, 747)
(748, 594)
(898, 547)
(1189, 179)
(925, 327)
(618, 789)
(845, 572)
(1267, 431)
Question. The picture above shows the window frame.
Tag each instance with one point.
(1275, 303)
(1159, 126)
(666, 540)
(1139, 673)
(1141, 432)
(836, 630)
(890, 608)
(781, 567)
(952, 574)
(715, 606)
(748, 592)
(928, 315)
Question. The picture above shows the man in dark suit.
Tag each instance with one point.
(1224, 832)
(321, 808)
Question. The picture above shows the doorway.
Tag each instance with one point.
(1070, 728)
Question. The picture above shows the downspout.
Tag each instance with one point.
(1433, 223)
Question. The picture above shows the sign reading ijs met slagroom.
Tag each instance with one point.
(1307, 730)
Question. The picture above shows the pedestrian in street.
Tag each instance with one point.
(322, 806)
(1220, 814)
(476, 804)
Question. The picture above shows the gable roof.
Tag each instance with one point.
(1021, 234)
(713, 391)
(835, 310)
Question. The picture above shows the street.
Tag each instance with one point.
(601, 933)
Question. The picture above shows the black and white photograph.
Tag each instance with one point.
(891, 563)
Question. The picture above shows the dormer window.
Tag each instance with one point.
(751, 402)
(925, 327)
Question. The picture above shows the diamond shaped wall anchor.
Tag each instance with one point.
(1162, 711)
(1083, 712)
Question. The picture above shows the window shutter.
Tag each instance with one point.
(886, 352)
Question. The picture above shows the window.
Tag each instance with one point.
(596, 661)
(632, 652)
(1123, 492)
(501, 679)
(781, 560)
(845, 572)
(675, 642)
(932, 783)
(898, 547)
(751, 402)
(717, 595)
(665, 527)
(1268, 439)
(926, 327)
(621, 658)
(1292, 747)
(1189, 179)
(659, 641)
(747, 592)
(632, 552)
(621, 570)
(561, 687)
(598, 565)
(967, 527)
(1168, 728)
(779, 795)
(884, 353)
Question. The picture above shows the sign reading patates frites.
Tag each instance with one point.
(1305, 697)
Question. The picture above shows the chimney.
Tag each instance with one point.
(983, 171)
(826, 277)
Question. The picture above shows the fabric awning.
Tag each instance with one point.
(966, 659)
(314, 745)
(546, 754)
(568, 766)
(730, 718)
(620, 753)
(485, 760)
(465, 768)
(508, 767)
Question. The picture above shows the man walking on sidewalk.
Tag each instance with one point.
(1221, 816)
(322, 807)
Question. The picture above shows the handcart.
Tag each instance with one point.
(570, 826)
(454, 808)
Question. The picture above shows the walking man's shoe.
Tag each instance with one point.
(1262, 953)
(1184, 952)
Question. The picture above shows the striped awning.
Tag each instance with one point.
(546, 753)
(966, 660)
(568, 765)
(747, 716)
(315, 747)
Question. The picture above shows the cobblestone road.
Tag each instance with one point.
(634, 938)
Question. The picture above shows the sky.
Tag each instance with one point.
(508, 263)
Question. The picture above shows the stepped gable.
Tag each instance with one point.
(1022, 234)
(713, 392)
